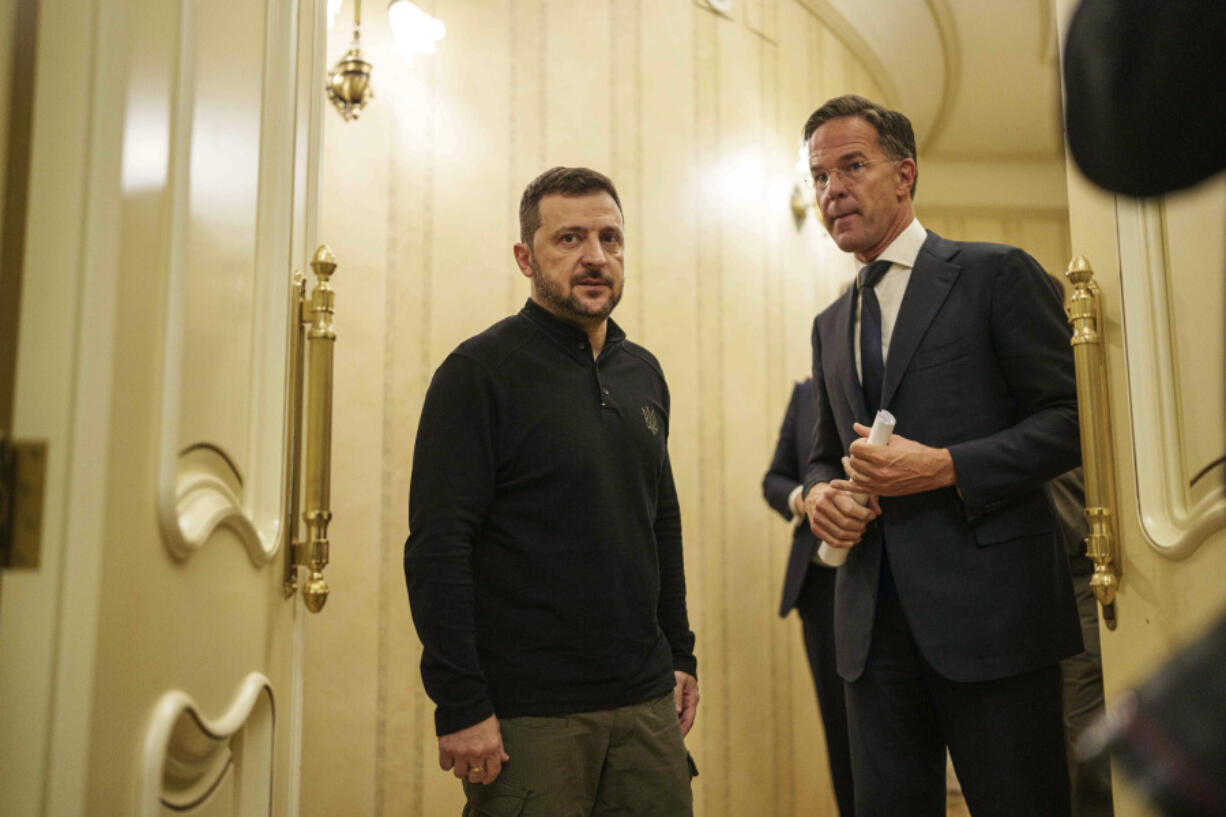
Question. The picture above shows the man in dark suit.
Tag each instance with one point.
(808, 586)
(955, 604)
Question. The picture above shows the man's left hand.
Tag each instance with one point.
(685, 693)
(900, 468)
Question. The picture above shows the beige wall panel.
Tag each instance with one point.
(340, 705)
(669, 274)
(832, 72)
(796, 724)
(938, 224)
(712, 736)
(736, 11)
(956, 229)
(577, 86)
(1047, 240)
(1043, 234)
(762, 17)
(671, 277)
(527, 117)
(806, 283)
(984, 228)
(856, 78)
(794, 97)
(745, 118)
(766, 549)
(403, 739)
(625, 166)
(471, 259)
(752, 16)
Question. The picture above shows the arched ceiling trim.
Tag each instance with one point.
(828, 12)
(902, 44)
(951, 51)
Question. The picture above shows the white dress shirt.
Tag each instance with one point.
(901, 254)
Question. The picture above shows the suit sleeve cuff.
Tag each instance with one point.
(792, 502)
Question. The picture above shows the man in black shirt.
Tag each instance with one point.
(544, 563)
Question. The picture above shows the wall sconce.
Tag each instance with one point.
(349, 87)
(413, 30)
(800, 205)
(804, 194)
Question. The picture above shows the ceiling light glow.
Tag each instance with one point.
(413, 30)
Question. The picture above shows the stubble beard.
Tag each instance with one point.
(571, 305)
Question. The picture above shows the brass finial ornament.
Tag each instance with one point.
(348, 86)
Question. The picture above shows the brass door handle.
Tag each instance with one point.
(1097, 447)
(314, 339)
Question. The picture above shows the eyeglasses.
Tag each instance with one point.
(849, 173)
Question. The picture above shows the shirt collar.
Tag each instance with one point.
(905, 248)
(566, 332)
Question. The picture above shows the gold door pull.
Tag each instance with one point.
(1097, 454)
(315, 316)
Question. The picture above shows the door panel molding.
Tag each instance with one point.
(189, 759)
(221, 456)
(1173, 520)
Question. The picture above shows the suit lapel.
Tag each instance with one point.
(931, 279)
(844, 336)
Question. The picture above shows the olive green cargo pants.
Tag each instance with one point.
(625, 762)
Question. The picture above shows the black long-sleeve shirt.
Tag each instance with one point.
(544, 562)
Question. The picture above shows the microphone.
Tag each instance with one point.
(883, 428)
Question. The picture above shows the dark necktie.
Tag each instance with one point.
(872, 372)
(872, 365)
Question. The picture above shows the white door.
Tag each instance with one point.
(150, 664)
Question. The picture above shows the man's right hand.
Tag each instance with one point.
(835, 517)
(474, 754)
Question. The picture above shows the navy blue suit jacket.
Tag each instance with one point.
(787, 470)
(979, 362)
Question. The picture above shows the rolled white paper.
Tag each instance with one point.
(883, 427)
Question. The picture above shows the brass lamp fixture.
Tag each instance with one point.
(800, 205)
(804, 194)
(348, 86)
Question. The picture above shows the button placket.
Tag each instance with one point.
(601, 388)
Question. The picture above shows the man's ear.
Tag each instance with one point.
(906, 176)
(523, 257)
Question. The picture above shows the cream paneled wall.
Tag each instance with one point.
(1042, 233)
(697, 118)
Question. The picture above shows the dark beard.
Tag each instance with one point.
(569, 305)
